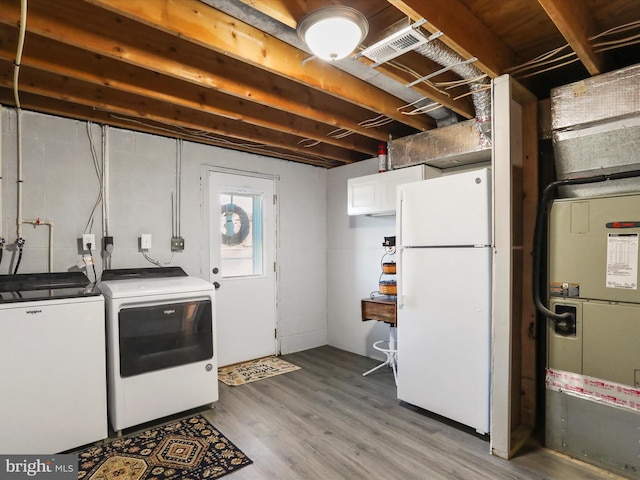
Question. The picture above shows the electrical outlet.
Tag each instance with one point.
(108, 244)
(145, 241)
(177, 244)
(88, 241)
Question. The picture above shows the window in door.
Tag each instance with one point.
(241, 234)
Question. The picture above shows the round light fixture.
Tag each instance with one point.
(332, 33)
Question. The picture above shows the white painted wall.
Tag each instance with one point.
(60, 185)
(354, 251)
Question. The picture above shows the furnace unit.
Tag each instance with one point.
(593, 356)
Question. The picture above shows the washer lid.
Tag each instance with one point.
(139, 287)
(23, 287)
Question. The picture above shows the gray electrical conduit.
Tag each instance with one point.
(541, 220)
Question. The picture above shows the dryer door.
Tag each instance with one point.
(162, 336)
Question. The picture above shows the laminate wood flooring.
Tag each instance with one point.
(326, 421)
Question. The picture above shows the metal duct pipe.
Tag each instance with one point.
(440, 53)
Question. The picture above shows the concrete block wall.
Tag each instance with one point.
(61, 185)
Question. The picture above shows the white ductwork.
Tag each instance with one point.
(443, 55)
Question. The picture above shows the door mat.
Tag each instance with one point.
(191, 448)
(247, 372)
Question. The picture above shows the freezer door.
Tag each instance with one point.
(444, 332)
(448, 210)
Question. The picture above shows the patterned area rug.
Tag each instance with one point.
(246, 372)
(190, 449)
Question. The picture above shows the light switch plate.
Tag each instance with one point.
(145, 241)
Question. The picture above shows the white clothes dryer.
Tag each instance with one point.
(161, 343)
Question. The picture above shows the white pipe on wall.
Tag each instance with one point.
(1, 182)
(105, 193)
(38, 223)
(105, 180)
(19, 180)
(16, 96)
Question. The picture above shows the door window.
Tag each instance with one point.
(241, 234)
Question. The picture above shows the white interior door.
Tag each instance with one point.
(242, 264)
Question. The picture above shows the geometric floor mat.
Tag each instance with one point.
(187, 449)
(247, 372)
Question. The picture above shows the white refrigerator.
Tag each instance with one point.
(444, 296)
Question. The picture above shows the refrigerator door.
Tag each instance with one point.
(444, 332)
(450, 210)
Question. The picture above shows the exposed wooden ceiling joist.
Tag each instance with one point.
(576, 24)
(191, 69)
(192, 20)
(463, 32)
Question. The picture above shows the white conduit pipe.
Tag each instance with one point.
(38, 223)
(19, 180)
(16, 73)
(105, 191)
(1, 182)
(105, 180)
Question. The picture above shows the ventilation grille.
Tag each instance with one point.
(400, 42)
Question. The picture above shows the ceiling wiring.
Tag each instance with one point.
(535, 61)
(255, 148)
(551, 57)
(476, 90)
(460, 83)
(19, 51)
(417, 75)
(538, 72)
(340, 133)
(420, 110)
(89, 226)
(376, 122)
(618, 29)
(309, 142)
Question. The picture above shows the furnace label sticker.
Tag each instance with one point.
(622, 261)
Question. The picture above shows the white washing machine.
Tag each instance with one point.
(161, 343)
(52, 363)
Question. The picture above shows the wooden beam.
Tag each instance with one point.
(178, 61)
(199, 23)
(137, 107)
(573, 19)
(51, 56)
(463, 32)
(75, 111)
(290, 13)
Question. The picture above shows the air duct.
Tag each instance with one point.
(443, 55)
(596, 131)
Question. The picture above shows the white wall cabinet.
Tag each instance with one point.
(376, 194)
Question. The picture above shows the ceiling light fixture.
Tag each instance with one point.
(333, 32)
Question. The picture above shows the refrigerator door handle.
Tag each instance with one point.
(399, 219)
(400, 297)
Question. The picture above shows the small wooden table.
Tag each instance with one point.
(383, 309)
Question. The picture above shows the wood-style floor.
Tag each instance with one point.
(328, 422)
